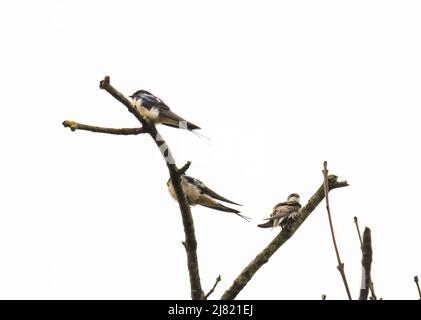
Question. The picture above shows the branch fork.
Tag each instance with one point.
(150, 129)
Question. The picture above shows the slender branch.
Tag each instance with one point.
(190, 237)
(340, 264)
(245, 276)
(213, 288)
(105, 85)
(366, 264)
(373, 293)
(184, 168)
(418, 285)
(358, 231)
(121, 131)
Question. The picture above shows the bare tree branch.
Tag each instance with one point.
(245, 276)
(213, 288)
(366, 264)
(184, 168)
(418, 285)
(373, 293)
(120, 131)
(340, 266)
(190, 237)
(358, 231)
(105, 85)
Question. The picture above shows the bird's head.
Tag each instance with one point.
(294, 197)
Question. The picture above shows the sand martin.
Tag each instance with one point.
(198, 193)
(155, 110)
(283, 212)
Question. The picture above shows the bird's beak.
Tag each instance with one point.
(131, 96)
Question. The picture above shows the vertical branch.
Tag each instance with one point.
(340, 264)
(418, 285)
(373, 293)
(190, 240)
(358, 231)
(366, 264)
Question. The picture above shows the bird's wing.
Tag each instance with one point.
(206, 191)
(208, 202)
(172, 119)
(286, 207)
(214, 195)
(281, 212)
(285, 210)
(281, 204)
(288, 211)
(149, 101)
(168, 117)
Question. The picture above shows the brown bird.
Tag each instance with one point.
(283, 211)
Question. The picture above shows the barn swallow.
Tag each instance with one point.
(155, 110)
(198, 193)
(282, 211)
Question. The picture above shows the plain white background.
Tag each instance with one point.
(279, 87)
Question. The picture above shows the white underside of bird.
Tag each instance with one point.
(150, 115)
(191, 191)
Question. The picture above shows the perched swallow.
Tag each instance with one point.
(197, 193)
(155, 110)
(282, 211)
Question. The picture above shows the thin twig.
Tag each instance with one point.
(366, 264)
(190, 240)
(120, 131)
(418, 285)
(340, 266)
(373, 293)
(213, 288)
(106, 85)
(184, 168)
(245, 276)
(358, 231)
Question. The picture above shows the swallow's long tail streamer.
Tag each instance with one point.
(206, 202)
(201, 136)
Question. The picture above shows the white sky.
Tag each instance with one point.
(277, 86)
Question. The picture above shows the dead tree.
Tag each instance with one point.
(190, 242)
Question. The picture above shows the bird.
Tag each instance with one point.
(198, 193)
(283, 212)
(155, 110)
